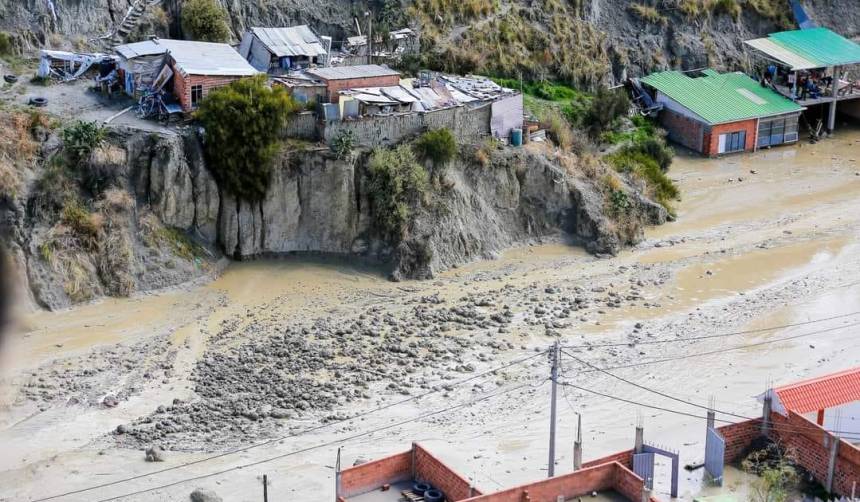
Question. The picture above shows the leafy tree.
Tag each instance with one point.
(205, 20)
(438, 145)
(777, 476)
(605, 108)
(243, 123)
(396, 181)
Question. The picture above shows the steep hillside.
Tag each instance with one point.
(585, 42)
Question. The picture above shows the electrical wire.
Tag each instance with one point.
(726, 349)
(296, 434)
(317, 446)
(707, 337)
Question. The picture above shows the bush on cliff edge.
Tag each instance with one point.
(204, 21)
(243, 123)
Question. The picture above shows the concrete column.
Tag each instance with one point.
(831, 117)
(577, 445)
(831, 462)
(640, 439)
(765, 414)
(337, 486)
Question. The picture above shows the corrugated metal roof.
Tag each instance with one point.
(812, 48)
(822, 392)
(720, 98)
(778, 52)
(347, 72)
(193, 58)
(292, 41)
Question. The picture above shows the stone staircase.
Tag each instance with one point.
(129, 23)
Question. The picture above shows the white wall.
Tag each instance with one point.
(842, 418)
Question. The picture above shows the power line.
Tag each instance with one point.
(726, 349)
(318, 446)
(296, 434)
(706, 337)
(785, 428)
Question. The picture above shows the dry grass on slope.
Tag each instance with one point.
(18, 148)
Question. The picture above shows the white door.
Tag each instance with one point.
(722, 147)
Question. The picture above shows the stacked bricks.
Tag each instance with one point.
(624, 458)
(738, 437)
(182, 85)
(371, 476)
(430, 469)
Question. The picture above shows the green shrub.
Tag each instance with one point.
(606, 107)
(728, 7)
(619, 202)
(558, 128)
(438, 145)
(396, 182)
(204, 20)
(6, 45)
(661, 188)
(81, 138)
(343, 144)
(243, 123)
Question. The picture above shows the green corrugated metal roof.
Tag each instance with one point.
(720, 98)
(820, 45)
(811, 48)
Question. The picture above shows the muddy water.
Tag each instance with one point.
(793, 221)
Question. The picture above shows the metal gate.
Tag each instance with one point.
(643, 466)
(715, 452)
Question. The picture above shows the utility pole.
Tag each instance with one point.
(265, 488)
(369, 37)
(552, 410)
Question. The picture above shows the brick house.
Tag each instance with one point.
(340, 78)
(716, 114)
(199, 67)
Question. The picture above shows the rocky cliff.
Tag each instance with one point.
(164, 220)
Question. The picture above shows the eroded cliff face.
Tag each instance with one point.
(165, 221)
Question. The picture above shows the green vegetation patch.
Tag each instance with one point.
(396, 183)
(243, 123)
(205, 21)
(81, 138)
(438, 145)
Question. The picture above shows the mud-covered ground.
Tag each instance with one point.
(273, 348)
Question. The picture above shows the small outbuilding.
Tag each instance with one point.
(717, 113)
(189, 69)
(340, 78)
(278, 50)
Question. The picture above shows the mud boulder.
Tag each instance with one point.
(204, 495)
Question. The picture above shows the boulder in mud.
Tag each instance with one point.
(155, 454)
(204, 495)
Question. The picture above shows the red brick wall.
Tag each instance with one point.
(600, 477)
(805, 441)
(711, 140)
(182, 86)
(371, 476)
(624, 458)
(738, 437)
(683, 130)
(430, 469)
(335, 86)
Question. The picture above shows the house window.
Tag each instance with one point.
(776, 131)
(732, 142)
(196, 95)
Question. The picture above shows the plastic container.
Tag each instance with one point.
(516, 137)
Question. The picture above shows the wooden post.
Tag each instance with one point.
(265, 488)
(820, 418)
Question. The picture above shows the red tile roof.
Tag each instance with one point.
(822, 392)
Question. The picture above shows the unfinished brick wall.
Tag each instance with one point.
(683, 130)
(430, 469)
(624, 458)
(711, 141)
(371, 476)
(738, 437)
(805, 441)
(601, 477)
(335, 86)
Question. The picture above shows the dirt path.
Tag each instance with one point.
(749, 250)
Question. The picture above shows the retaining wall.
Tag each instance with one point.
(430, 469)
(371, 476)
(467, 124)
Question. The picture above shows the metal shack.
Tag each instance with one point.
(278, 50)
(715, 114)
